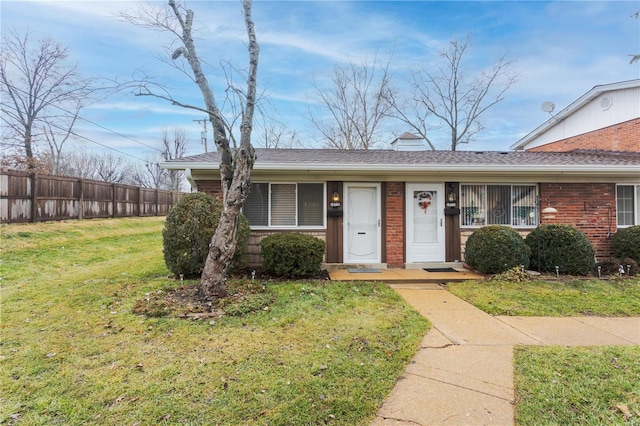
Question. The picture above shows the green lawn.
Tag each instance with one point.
(72, 351)
(577, 386)
(611, 297)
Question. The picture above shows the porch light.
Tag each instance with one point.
(549, 212)
(335, 200)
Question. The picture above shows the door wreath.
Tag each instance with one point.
(424, 200)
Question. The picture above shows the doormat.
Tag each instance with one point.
(363, 270)
(440, 269)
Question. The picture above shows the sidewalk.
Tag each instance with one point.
(463, 371)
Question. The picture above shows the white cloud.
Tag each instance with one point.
(562, 49)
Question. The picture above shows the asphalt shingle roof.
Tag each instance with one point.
(315, 157)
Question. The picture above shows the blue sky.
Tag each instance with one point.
(561, 49)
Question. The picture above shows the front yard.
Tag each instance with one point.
(73, 352)
(613, 297)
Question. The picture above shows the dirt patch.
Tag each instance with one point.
(183, 302)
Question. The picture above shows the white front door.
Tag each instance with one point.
(362, 232)
(425, 222)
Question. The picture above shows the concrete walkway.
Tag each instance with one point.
(463, 371)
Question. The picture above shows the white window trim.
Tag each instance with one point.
(511, 185)
(636, 209)
(293, 227)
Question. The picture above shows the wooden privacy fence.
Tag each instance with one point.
(32, 197)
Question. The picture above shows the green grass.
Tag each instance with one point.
(613, 297)
(72, 351)
(577, 386)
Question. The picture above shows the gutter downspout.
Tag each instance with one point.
(194, 185)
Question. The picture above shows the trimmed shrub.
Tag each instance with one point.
(495, 249)
(626, 243)
(188, 230)
(630, 266)
(292, 255)
(611, 266)
(563, 246)
(608, 266)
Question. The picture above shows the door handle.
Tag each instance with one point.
(440, 221)
(378, 223)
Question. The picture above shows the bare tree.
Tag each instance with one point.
(446, 95)
(36, 83)
(356, 103)
(174, 147)
(78, 163)
(635, 57)
(235, 164)
(151, 175)
(278, 136)
(112, 168)
(57, 130)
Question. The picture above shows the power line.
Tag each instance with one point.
(116, 133)
(103, 145)
(93, 123)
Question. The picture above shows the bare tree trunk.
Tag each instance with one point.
(235, 164)
(235, 172)
(28, 151)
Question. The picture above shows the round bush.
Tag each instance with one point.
(626, 243)
(188, 230)
(608, 266)
(495, 249)
(292, 255)
(630, 266)
(563, 246)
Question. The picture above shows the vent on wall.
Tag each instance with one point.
(605, 103)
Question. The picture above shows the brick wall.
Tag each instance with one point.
(619, 137)
(590, 207)
(394, 224)
(211, 187)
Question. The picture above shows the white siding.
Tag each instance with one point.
(604, 110)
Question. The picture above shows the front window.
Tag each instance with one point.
(628, 204)
(512, 205)
(285, 205)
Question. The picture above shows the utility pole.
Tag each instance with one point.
(203, 134)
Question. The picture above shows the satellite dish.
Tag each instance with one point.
(548, 107)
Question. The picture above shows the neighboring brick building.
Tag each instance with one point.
(409, 206)
(606, 118)
(620, 137)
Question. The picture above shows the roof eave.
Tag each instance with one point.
(419, 168)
